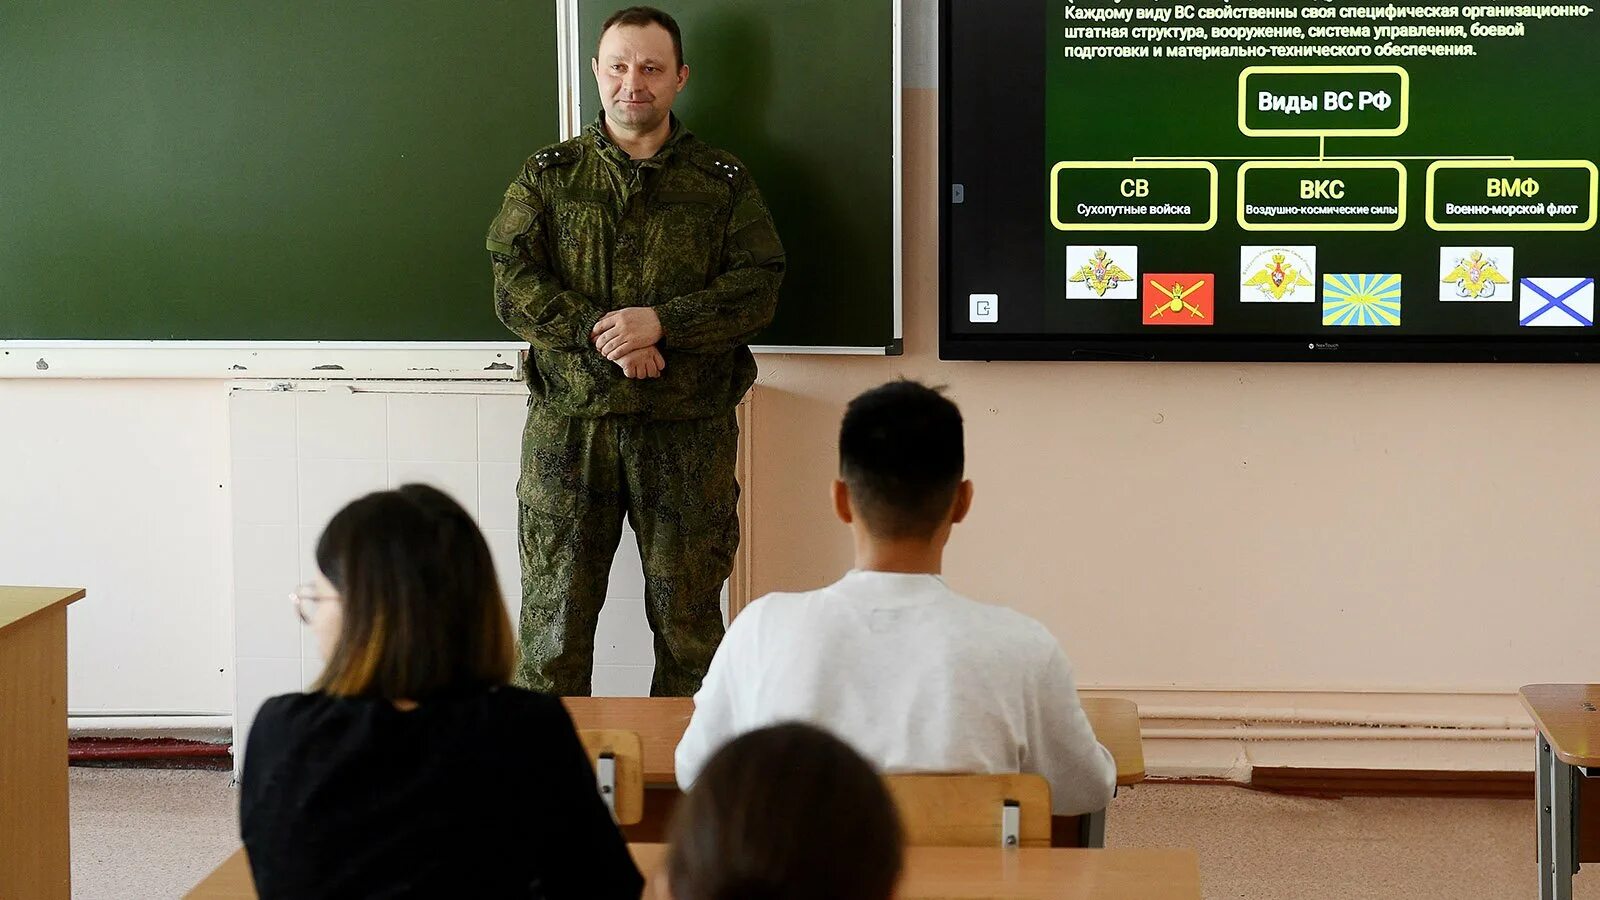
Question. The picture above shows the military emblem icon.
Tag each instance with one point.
(1278, 274)
(1185, 299)
(1102, 273)
(1475, 273)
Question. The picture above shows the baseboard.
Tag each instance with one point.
(149, 753)
(1392, 783)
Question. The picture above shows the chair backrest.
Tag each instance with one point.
(618, 760)
(659, 722)
(1116, 725)
(972, 810)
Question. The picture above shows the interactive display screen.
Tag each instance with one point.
(1261, 179)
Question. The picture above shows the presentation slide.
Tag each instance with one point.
(1259, 179)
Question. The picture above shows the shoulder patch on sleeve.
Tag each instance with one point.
(515, 219)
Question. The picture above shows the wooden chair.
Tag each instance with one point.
(972, 810)
(659, 722)
(618, 760)
(1116, 725)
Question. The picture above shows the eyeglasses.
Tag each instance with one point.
(305, 599)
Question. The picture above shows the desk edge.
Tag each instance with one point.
(1570, 759)
(67, 598)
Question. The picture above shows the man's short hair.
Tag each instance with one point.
(641, 16)
(901, 454)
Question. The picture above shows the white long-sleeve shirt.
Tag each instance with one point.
(914, 676)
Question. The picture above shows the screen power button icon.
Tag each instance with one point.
(983, 307)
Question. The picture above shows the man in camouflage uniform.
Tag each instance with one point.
(637, 261)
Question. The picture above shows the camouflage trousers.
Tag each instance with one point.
(674, 480)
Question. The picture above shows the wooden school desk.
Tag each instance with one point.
(35, 847)
(948, 873)
(1568, 755)
(229, 881)
(943, 872)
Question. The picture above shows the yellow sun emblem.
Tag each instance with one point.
(1100, 273)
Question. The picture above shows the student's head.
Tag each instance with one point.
(785, 813)
(411, 606)
(639, 68)
(900, 464)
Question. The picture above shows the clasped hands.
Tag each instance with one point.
(628, 337)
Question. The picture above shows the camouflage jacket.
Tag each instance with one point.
(584, 230)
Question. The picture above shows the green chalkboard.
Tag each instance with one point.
(803, 91)
(262, 169)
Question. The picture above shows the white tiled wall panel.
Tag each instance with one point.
(306, 562)
(261, 424)
(497, 495)
(458, 479)
(264, 625)
(341, 424)
(326, 485)
(264, 491)
(263, 557)
(621, 681)
(310, 668)
(299, 456)
(256, 679)
(500, 419)
(503, 550)
(623, 636)
(120, 486)
(627, 572)
(441, 427)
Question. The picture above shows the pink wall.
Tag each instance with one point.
(1257, 526)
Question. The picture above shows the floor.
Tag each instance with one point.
(154, 834)
(1271, 847)
(149, 833)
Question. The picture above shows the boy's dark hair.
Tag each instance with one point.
(788, 812)
(640, 16)
(901, 454)
(422, 610)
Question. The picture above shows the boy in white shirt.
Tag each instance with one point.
(911, 674)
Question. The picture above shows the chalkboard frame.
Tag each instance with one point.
(483, 356)
(275, 360)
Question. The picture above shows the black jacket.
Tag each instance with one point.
(481, 793)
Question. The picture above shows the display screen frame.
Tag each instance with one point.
(993, 119)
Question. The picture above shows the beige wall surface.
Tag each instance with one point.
(1254, 526)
